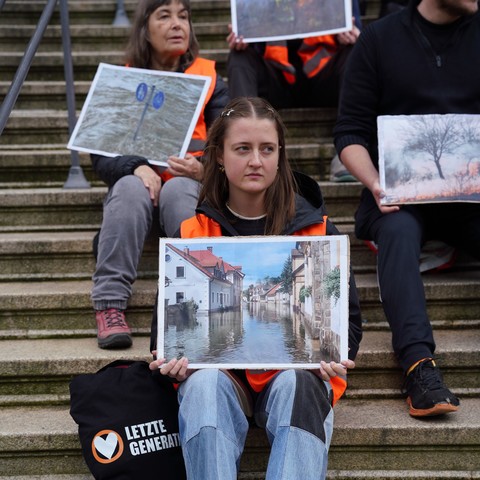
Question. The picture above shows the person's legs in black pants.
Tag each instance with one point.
(249, 75)
(457, 224)
(323, 90)
(399, 238)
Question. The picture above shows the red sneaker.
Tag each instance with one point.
(112, 329)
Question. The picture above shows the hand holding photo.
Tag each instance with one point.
(429, 158)
(134, 111)
(254, 302)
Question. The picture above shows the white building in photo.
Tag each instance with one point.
(202, 277)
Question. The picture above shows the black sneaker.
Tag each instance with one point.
(427, 394)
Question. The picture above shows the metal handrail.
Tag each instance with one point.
(121, 17)
(76, 179)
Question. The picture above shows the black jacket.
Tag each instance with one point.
(394, 70)
(310, 210)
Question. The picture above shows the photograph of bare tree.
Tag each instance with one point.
(254, 302)
(264, 20)
(429, 158)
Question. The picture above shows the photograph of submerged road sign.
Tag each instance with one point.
(134, 111)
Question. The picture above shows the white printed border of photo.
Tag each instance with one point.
(141, 72)
(342, 241)
(261, 37)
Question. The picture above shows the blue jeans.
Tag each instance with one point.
(294, 409)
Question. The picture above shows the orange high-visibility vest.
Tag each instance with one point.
(200, 66)
(314, 52)
(202, 226)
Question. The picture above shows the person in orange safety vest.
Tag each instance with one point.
(293, 73)
(142, 200)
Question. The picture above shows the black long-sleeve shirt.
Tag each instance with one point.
(399, 67)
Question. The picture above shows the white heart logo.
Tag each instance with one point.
(106, 446)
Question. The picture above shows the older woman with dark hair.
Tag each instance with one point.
(139, 196)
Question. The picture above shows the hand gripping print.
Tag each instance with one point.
(154, 99)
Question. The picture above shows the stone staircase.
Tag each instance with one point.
(47, 330)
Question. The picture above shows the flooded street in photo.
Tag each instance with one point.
(256, 333)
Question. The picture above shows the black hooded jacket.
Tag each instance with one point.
(310, 210)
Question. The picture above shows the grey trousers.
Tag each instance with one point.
(128, 218)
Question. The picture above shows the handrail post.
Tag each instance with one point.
(121, 18)
(76, 178)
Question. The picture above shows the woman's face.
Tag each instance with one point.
(250, 158)
(169, 34)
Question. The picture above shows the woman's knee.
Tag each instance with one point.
(286, 380)
(297, 398)
(129, 193)
(205, 385)
(178, 201)
(402, 226)
(178, 188)
(208, 398)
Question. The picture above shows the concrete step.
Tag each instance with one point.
(62, 308)
(49, 126)
(86, 12)
(51, 208)
(14, 38)
(103, 11)
(452, 298)
(37, 371)
(57, 255)
(44, 256)
(369, 435)
(331, 475)
(49, 66)
(47, 165)
(41, 166)
(51, 95)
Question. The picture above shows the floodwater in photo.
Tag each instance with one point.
(134, 112)
(254, 301)
(258, 333)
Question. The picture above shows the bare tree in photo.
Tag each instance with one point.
(435, 136)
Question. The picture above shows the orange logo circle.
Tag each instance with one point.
(107, 446)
